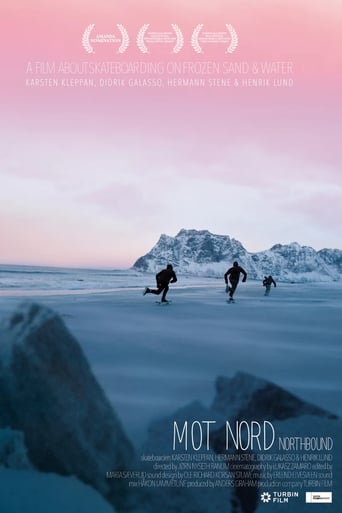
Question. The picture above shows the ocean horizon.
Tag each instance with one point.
(20, 279)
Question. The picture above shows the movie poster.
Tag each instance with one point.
(170, 262)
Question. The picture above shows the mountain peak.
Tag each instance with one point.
(184, 232)
(202, 253)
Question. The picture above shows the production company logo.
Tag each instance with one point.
(145, 38)
(278, 497)
(318, 497)
(265, 497)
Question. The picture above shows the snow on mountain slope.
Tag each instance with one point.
(202, 253)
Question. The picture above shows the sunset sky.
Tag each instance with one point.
(91, 176)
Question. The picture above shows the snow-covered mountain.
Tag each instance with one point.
(201, 253)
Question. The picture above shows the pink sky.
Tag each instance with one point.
(94, 176)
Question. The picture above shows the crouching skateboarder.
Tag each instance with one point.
(234, 277)
(164, 277)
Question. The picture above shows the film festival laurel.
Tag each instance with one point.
(145, 37)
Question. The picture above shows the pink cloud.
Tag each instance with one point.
(124, 200)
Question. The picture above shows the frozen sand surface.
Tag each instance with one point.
(151, 359)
